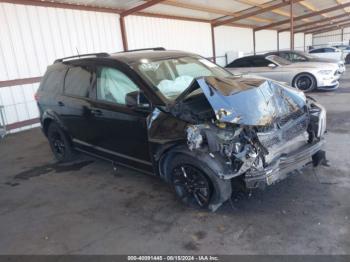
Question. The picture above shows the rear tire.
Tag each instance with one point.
(60, 143)
(190, 182)
(305, 82)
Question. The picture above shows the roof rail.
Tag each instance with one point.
(145, 49)
(81, 56)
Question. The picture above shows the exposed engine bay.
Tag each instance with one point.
(283, 134)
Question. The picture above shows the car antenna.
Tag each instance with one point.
(77, 51)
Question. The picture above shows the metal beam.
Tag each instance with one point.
(254, 42)
(286, 21)
(254, 3)
(324, 26)
(208, 9)
(123, 33)
(327, 29)
(291, 25)
(140, 7)
(254, 13)
(20, 81)
(63, 5)
(316, 22)
(213, 42)
(103, 10)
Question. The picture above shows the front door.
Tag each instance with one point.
(120, 132)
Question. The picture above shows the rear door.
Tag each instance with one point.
(75, 103)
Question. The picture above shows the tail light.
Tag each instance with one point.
(36, 96)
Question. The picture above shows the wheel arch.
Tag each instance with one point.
(47, 118)
(222, 187)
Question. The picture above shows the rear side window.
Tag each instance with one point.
(53, 81)
(261, 62)
(240, 63)
(321, 50)
(329, 50)
(78, 81)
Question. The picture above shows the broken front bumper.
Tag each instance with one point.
(283, 166)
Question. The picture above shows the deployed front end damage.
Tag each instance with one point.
(261, 131)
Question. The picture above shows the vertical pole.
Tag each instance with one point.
(213, 43)
(278, 41)
(304, 42)
(291, 26)
(342, 35)
(123, 33)
(254, 44)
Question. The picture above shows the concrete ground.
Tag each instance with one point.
(83, 208)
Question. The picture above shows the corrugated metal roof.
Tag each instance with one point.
(225, 9)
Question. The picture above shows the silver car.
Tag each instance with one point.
(304, 76)
(298, 56)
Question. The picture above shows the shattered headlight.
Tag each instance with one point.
(318, 113)
(322, 122)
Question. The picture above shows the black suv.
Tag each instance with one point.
(181, 117)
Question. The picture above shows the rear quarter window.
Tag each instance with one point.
(239, 63)
(53, 81)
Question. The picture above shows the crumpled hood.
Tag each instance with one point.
(250, 101)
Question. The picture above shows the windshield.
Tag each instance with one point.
(172, 76)
(304, 54)
(278, 60)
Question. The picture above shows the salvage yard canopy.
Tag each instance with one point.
(308, 15)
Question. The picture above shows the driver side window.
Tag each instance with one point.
(113, 85)
(297, 58)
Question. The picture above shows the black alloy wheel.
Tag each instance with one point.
(59, 143)
(58, 146)
(192, 186)
(305, 82)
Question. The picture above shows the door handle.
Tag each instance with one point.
(60, 103)
(96, 112)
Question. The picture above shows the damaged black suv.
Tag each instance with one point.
(181, 117)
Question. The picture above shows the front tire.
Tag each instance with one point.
(191, 184)
(60, 144)
(347, 59)
(305, 82)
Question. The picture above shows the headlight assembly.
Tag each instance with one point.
(325, 72)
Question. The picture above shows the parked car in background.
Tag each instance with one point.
(304, 76)
(181, 117)
(298, 56)
(346, 52)
(328, 52)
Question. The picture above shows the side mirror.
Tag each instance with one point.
(271, 65)
(136, 99)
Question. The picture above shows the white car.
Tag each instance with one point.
(328, 52)
(346, 52)
(304, 76)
